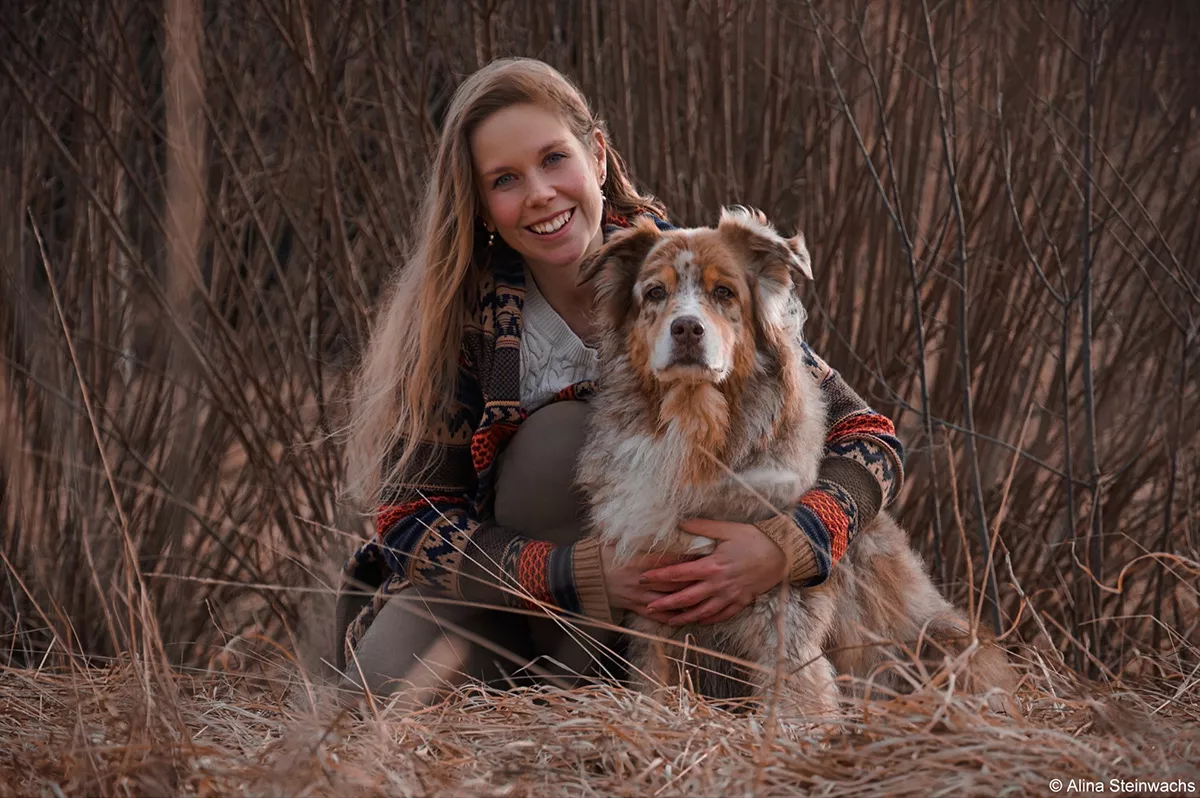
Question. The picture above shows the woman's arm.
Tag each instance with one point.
(861, 473)
(437, 541)
(429, 532)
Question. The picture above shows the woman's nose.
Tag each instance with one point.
(541, 191)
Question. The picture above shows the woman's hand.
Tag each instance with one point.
(745, 564)
(627, 590)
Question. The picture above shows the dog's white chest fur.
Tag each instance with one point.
(640, 490)
(640, 506)
(637, 505)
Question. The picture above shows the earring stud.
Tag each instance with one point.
(491, 237)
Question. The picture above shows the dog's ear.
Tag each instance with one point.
(801, 261)
(615, 266)
(769, 256)
(773, 263)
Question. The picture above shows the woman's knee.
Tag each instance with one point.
(536, 493)
(416, 643)
(390, 647)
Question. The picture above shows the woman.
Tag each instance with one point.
(470, 405)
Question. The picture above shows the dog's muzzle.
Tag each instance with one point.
(687, 342)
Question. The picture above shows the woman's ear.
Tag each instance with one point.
(486, 221)
(600, 149)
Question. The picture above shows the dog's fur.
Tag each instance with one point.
(708, 412)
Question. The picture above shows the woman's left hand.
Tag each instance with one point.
(745, 564)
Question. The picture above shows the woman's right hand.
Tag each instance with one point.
(626, 589)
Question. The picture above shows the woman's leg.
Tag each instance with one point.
(411, 640)
(535, 485)
(422, 645)
(536, 495)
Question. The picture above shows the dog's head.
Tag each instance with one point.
(695, 304)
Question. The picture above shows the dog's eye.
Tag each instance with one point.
(656, 294)
(723, 293)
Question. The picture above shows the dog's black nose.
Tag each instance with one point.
(687, 329)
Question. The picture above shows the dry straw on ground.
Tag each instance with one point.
(98, 733)
(199, 203)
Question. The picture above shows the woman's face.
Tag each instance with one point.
(540, 186)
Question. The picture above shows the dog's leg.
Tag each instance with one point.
(650, 667)
(808, 691)
(986, 671)
(893, 611)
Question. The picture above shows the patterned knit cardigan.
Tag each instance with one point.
(438, 533)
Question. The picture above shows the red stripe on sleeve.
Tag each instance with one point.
(868, 424)
(826, 508)
(388, 514)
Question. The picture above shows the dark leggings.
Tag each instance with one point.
(416, 639)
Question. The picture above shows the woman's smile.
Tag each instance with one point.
(556, 225)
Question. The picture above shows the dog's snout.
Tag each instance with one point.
(688, 342)
(687, 330)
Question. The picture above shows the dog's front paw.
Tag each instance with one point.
(699, 546)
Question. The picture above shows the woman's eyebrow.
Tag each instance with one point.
(557, 144)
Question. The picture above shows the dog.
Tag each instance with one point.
(707, 411)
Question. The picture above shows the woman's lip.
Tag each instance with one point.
(556, 233)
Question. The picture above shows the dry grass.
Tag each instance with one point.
(222, 734)
(199, 203)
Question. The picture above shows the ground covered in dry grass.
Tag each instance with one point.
(122, 730)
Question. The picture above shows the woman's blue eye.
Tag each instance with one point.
(550, 160)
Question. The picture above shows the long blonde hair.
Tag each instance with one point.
(408, 371)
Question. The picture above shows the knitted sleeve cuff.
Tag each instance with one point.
(816, 533)
(588, 571)
(801, 558)
(507, 569)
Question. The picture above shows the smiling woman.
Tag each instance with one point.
(483, 325)
(541, 191)
(470, 407)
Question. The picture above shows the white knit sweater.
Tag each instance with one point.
(552, 355)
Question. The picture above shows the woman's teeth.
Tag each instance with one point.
(552, 226)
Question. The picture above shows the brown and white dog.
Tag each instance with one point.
(707, 411)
